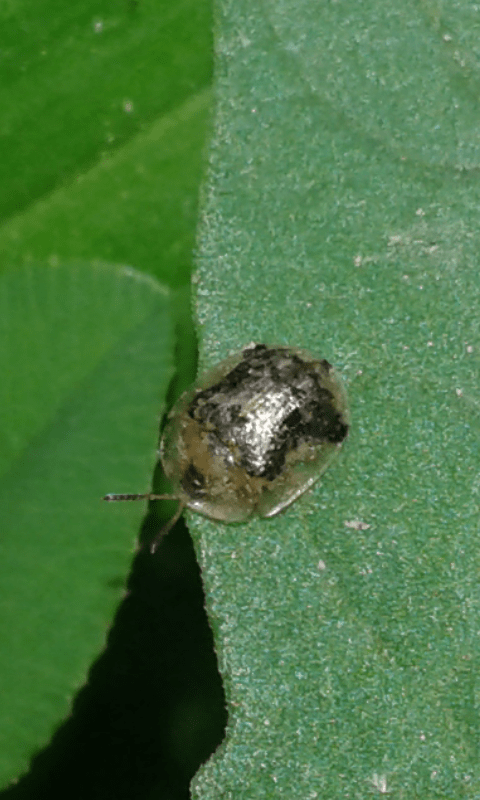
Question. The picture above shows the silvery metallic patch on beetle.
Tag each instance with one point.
(253, 434)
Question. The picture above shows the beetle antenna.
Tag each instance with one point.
(166, 528)
(148, 496)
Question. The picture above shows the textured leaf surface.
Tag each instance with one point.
(70, 433)
(342, 216)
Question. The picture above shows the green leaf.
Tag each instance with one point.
(82, 389)
(80, 81)
(342, 216)
(136, 206)
(105, 110)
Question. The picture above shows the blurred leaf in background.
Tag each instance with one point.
(105, 112)
(70, 428)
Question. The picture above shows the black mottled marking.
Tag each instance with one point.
(228, 410)
(193, 482)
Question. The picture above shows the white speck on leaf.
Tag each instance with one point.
(356, 524)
